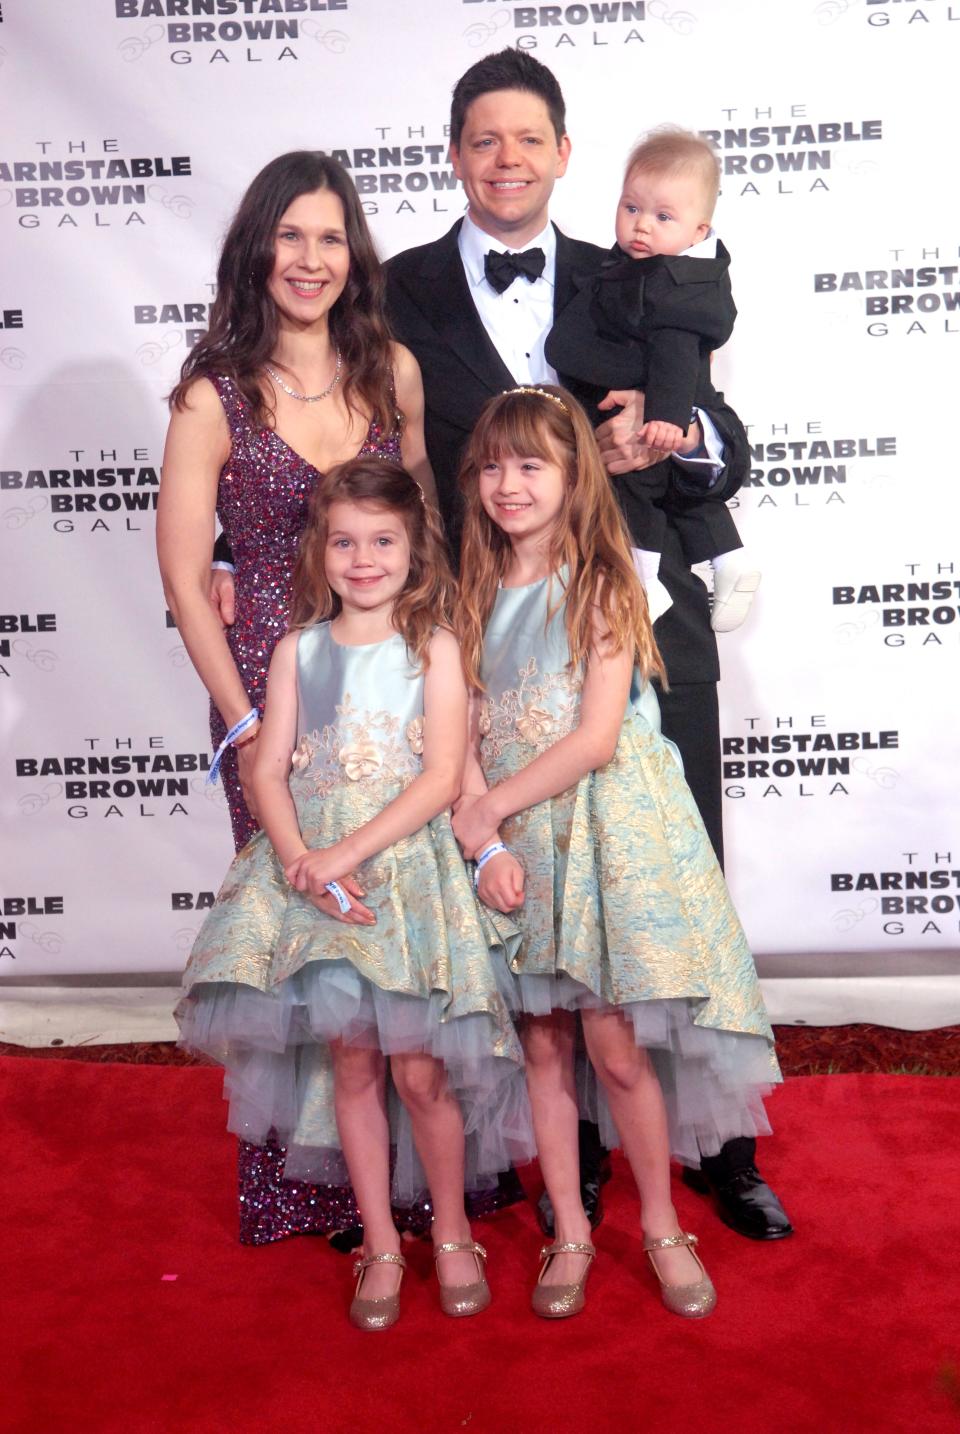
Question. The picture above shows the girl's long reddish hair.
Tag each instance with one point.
(589, 538)
(427, 599)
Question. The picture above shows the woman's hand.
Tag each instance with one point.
(500, 883)
(474, 826)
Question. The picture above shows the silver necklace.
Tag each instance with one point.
(308, 397)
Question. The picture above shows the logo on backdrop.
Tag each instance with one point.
(89, 184)
(27, 918)
(577, 26)
(12, 356)
(803, 756)
(918, 607)
(920, 896)
(25, 643)
(102, 493)
(805, 465)
(224, 32)
(572, 26)
(782, 150)
(403, 169)
(182, 325)
(113, 777)
(192, 900)
(916, 15)
(918, 294)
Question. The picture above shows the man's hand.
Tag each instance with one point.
(618, 438)
(222, 596)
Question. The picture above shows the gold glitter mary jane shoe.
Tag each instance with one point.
(458, 1301)
(693, 1301)
(561, 1301)
(378, 1313)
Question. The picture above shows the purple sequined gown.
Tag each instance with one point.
(262, 499)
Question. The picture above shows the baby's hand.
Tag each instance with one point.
(664, 436)
(500, 883)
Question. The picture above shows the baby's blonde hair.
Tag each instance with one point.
(670, 150)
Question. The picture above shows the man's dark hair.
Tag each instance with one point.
(507, 70)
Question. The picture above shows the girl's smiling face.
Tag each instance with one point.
(367, 556)
(523, 495)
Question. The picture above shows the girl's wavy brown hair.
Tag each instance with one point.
(427, 598)
(589, 537)
(243, 318)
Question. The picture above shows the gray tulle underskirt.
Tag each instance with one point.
(713, 1081)
(275, 1048)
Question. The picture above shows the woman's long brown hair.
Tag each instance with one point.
(243, 318)
(427, 599)
(589, 538)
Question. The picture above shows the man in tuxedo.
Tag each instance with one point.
(475, 308)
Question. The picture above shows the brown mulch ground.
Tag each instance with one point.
(803, 1050)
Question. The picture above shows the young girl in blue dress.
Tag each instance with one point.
(346, 938)
(583, 827)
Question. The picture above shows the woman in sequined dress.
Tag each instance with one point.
(296, 374)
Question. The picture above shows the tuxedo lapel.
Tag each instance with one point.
(446, 302)
(575, 260)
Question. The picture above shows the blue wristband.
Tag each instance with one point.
(339, 896)
(252, 716)
(494, 850)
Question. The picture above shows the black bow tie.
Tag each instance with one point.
(501, 269)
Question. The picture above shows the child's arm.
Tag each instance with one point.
(274, 748)
(434, 790)
(500, 883)
(590, 745)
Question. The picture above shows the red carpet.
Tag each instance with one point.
(117, 1176)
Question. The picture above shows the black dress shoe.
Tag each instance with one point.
(744, 1201)
(591, 1183)
(346, 1241)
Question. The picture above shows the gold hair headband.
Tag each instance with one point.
(541, 393)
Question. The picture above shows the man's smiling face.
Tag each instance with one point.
(508, 160)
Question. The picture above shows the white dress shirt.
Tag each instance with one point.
(518, 320)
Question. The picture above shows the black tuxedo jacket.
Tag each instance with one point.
(431, 311)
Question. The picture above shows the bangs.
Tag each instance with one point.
(518, 426)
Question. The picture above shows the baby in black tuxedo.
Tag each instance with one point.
(650, 320)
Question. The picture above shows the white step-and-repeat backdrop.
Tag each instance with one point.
(131, 128)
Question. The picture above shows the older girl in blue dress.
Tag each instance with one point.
(625, 917)
(347, 937)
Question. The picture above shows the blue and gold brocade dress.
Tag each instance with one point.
(625, 905)
(272, 981)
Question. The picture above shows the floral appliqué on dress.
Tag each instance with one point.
(536, 713)
(359, 746)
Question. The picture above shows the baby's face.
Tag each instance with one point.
(661, 213)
